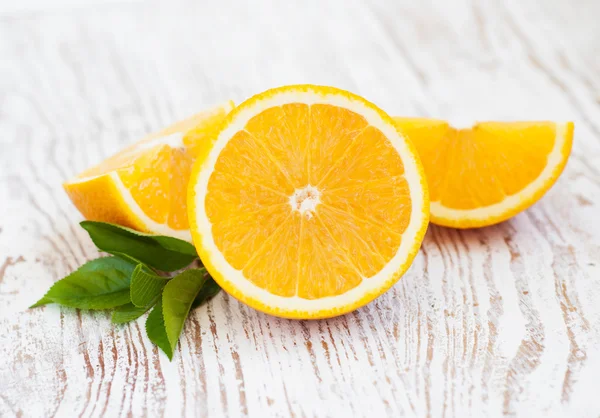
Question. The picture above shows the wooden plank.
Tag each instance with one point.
(498, 321)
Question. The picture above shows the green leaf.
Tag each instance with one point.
(177, 299)
(145, 287)
(128, 312)
(208, 291)
(98, 284)
(155, 328)
(43, 301)
(144, 291)
(158, 251)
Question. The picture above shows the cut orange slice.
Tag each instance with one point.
(144, 186)
(308, 204)
(490, 172)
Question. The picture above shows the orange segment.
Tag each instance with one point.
(367, 245)
(181, 168)
(234, 195)
(284, 132)
(308, 203)
(240, 237)
(490, 172)
(278, 252)
(432, 138)
(332, 131)
(379, 194)
(370, 156)
(145, 185)
(368, 183)
(147, 179)
(325, 269)
(247, 157)
(529, 144)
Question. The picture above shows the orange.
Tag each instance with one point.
(309, 203)
(490, 172)
(144, 186)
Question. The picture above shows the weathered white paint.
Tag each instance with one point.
(502, 320)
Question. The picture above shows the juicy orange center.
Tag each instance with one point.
(305, 200)
(308, 201)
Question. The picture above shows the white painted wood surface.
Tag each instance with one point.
(499, 321)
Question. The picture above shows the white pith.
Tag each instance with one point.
(174, 140)
(151, 225)
(461, 122)
(305, 200)
(371, 285)
(554, 159)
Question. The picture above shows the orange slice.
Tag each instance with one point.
(144, 186)
(490, 172)
(308, 204)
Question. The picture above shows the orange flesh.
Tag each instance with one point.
(157, 176)
(157, 181)
(478, 167)
(355, 228)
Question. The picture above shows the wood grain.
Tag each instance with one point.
(503, 320)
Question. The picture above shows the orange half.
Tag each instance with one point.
(309, 203)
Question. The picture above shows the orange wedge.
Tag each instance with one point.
(308, 204)
(144, 186)
(488, 173)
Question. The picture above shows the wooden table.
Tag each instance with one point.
(501, 320)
